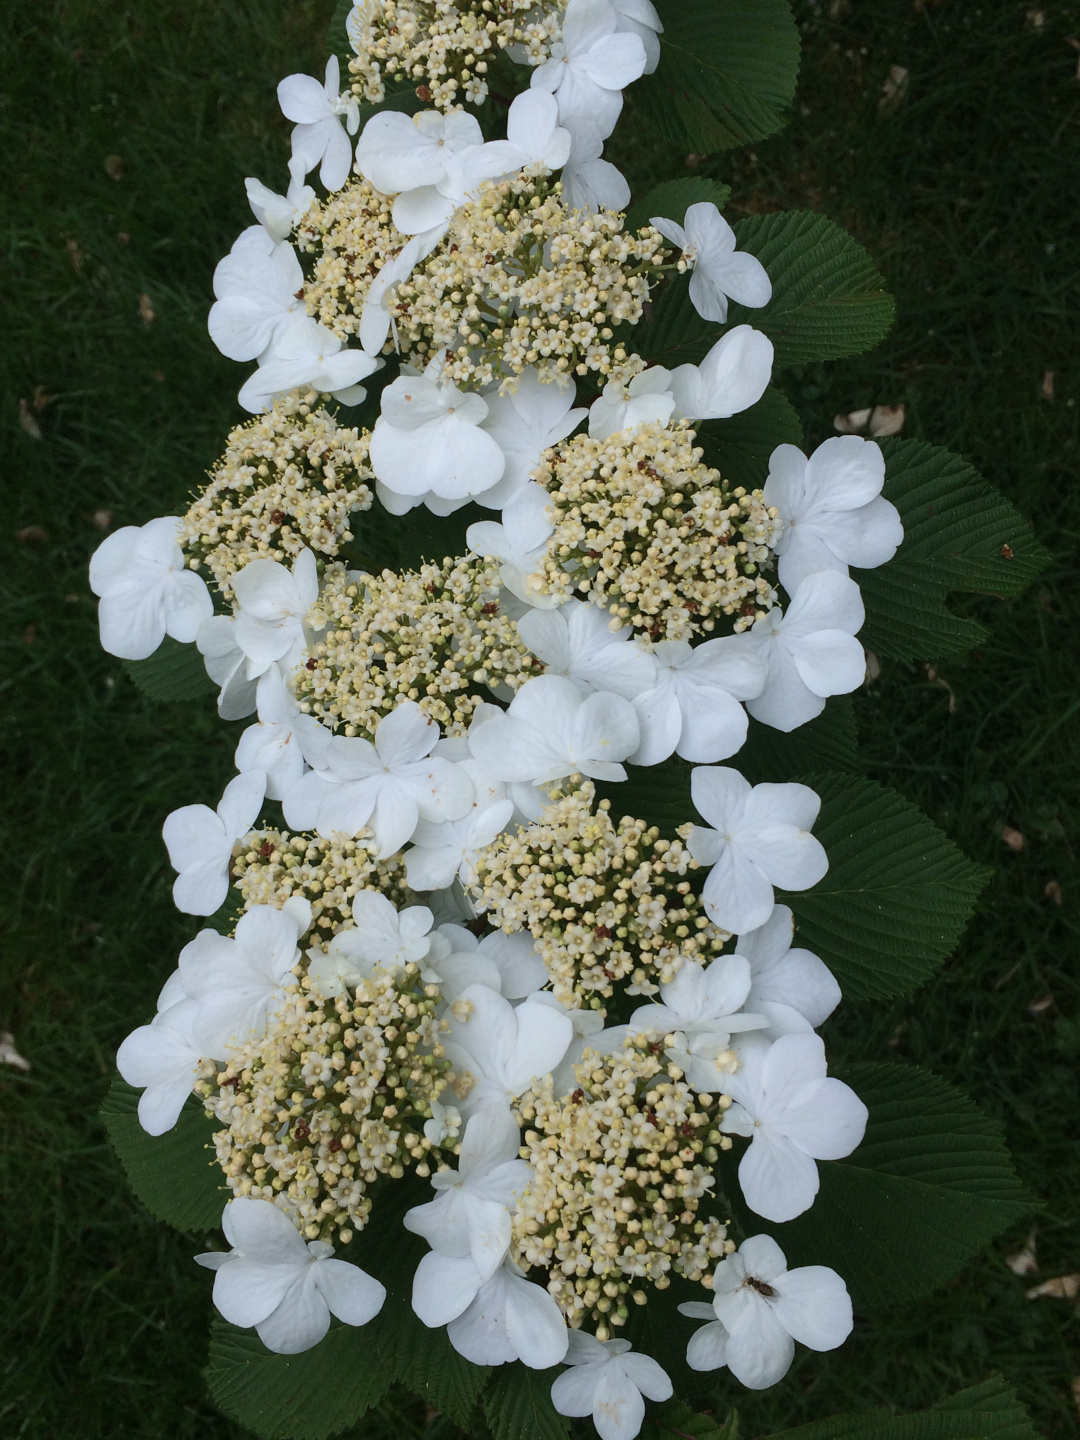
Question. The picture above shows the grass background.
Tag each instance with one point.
(128, 129)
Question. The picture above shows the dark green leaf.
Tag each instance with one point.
(897, 895)
(173, 672)
(675, 1419)
(959, 534)
(384, 541)
(825, 743)
(295, 1397)
(673, 198)
(517, 1404)
(175, 1175)
(989, 1411)
(740, 447)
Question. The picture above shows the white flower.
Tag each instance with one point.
(256, 287)
(639, 17)
(692, 706)
(145, 591)
(707, 242)
(382, 938)
(831, 508)
(490, 1322)
(760, 1307)
(444, 1124)
(792, 988)
(524, 422)
(387, 786)
(278, 214)
(588, 182)
(607, 1382)
(164, 1057)
(550, 732)
(809, 650)
(228, 666)
(319, 137)
(518, 543)
(272, 745)
(307, 356)
(285, 1288)
(237, 984)
(733, 376)
(647, 400)
(591, 65)
(793, 1115)
(274, 603)
(428, 438)
(761, 839)
(446, 851)
(504, 1048)
(376, 317)
(200, 843)
(507, 964)
(471, 1215)
(577, 641)
(534, 136)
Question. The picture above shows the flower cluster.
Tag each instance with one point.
(271, 866)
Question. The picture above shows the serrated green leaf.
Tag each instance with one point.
(517, 1404)
(673, 198)
(990, 1411)
(740, 447)
(897, 895)
(173, 672)
(317, 1393)
(955, 528)
(828, 742)
(175, 1175)
(674, 1419)
(726, 75)
(930, 1185)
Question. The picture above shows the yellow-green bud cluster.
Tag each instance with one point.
(619, 1170)
(646, 530)
(605, 902)
(436, 635)
(288, 479)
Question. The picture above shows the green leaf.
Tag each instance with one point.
(517, 1405)
(674, 1419)
(741, 446)
(673, 198)
(175, 1175)
(828, 742)
(403, 542)
(930, 1185)
(990, 1411)
(726, 75)
(317, 1393)
(173, 672)
(959, 534)
(897, 895)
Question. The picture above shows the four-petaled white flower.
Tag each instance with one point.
(761, 838)
(591, 65)
(733, 376)
(707, 242)
(382, 938)
(692, 707)
(387, 786)
(278, 214)
(524, 422)
(428, 439)
(319, 136)
(577, 641)
(518, 542)
(607, 1381)
(760, 1307)
(490, 1322)
(809, 650)
(646, 400)
(274, 603)
(164, 1057)
(307, 356)
(793, 1115)
(793, 988)
(503, 1047)
(285, 1288)
(200, 843)
(259, 288)
(145, 592)
(831, 508)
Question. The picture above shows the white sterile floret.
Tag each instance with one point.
(319, 137)
(646, 400)
(809, 650)
(577, 641)
(793, 1115)
(791, 987)
(761, 838)
(307, 356)
(589, 182)
(518, 543)
(534, 137)
(278, 214)
(760, 1307)
(256, 287)
(493, 1321)
(831, 508)
(376, 317)
(707, 243)
(503, 1047)
(507, 964)
(607, 1381)
(228, 666)
(145, 592)
(550, 732)
(428, 439)
(387, 786)
(446, 851)
(381, 939)
(273, 744)
(591, 65)
(164, 1057)
(692, 707)
(287, 1289)
(471, 1214)
(524, 422)
(733, 376)
(273, 606)
(200, 843)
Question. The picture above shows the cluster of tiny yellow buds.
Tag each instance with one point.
(605, 902)
(620, 1167)
(288, 479)
(437, 635)
(519, 280)
(646, 530)
(271, 866)
(334, 1095)
(442, 46)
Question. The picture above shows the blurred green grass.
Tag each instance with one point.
(965, 193)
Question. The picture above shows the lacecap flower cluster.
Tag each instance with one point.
(454, 953)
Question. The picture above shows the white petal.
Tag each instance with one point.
(813, 1306)
(759, 1349)
(778, 1180)
(352, 1296)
